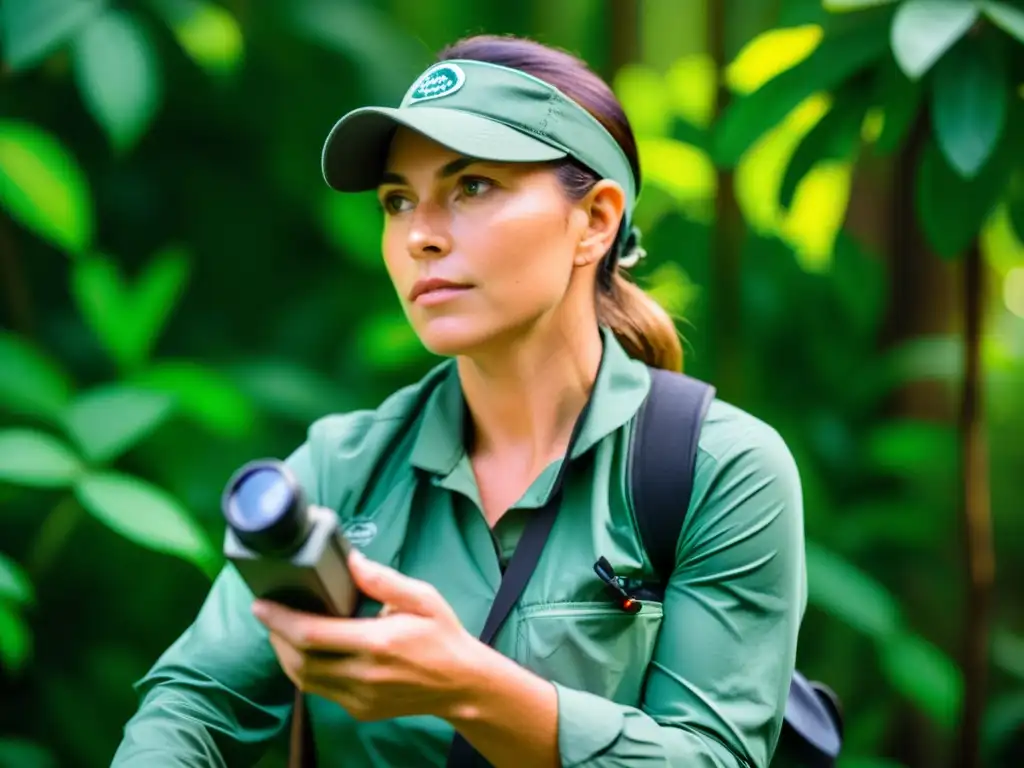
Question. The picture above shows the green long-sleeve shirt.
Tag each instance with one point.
(699, 680)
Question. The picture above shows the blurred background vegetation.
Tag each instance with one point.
(834, 207)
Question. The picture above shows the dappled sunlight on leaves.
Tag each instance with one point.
(770, 54)
(43, 187)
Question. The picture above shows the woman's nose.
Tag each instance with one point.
(429, 235)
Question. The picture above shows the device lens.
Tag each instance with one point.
(260, 499)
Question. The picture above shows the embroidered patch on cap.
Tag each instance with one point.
(441, 80)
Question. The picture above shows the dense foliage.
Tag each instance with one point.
(180, 294)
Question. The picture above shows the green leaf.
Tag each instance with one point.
(912, 447)
(128, 319)
(30, 30)
(923, 30)
(145, 515)
(970, 92)
(899, 98)
(1004, 15)
(836, 136)
(207, 32)
(26, 754)
(205, 396)
(43, 187)
(842, 53)
(290, 390)
(925, 675)
(1004, 715)
(15, 639)
(839, 588)
(15, 586)
(353, 223)
(109, 420)
(386, 57)
(1015, 205)
(118, 73)
(1008, 652)
(951, 209)
(32, 458)
(386, 341)
(31, 383)
(852, 5)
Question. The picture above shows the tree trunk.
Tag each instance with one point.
(979, 557)
(624, 27)
(726, 240)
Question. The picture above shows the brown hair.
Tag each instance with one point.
(641, 325)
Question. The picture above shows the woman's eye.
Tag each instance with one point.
(474, 187)
(395, 203)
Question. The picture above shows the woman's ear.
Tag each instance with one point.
(603, 206)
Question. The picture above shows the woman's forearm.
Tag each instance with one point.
(507, 713)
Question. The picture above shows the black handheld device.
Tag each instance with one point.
(286, 549)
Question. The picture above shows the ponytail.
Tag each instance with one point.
(642, 326)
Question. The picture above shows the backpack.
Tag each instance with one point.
(665, 439)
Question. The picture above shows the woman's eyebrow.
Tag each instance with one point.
(449, 169)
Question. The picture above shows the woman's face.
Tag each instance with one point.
(479, 253)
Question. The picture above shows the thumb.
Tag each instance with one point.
(396, 591)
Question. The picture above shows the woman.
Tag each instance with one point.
(508, 178)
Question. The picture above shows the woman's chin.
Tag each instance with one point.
(454, 336)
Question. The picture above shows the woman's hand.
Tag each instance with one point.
(414, 658)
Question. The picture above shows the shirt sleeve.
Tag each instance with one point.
(719, 678)
(217, 696)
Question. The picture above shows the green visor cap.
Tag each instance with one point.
(482, 111)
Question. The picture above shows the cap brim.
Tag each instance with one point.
(356, 148)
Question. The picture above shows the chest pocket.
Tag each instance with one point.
(590, 646)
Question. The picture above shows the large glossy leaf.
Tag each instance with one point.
(1005, 15)
(925, 675)
(835, 137)
(923, 30)
(31, 382)
(771, 53)
(15, 586)
(119, 76)
(43, 187)
(851, 595)
(109, 420)
(206, 31)
(32, 458)
(970, 92)
(15, 639)
(899, 98)
(30, 30)
(206, 396)
(128, 318)
(145, 515)
(951, 209)
(844, 52)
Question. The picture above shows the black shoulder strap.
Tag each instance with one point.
(664, 458)
(664, 455)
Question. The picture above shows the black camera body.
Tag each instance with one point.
(285, 549)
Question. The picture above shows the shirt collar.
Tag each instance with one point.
(621, 386)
